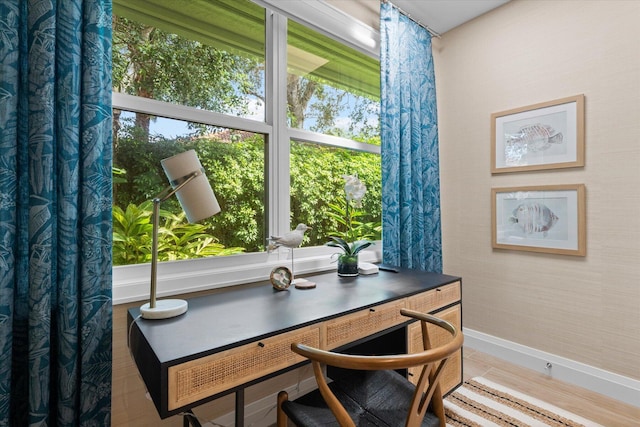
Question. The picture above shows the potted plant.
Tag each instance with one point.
(350, 244)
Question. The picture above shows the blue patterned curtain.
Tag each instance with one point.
(411, 233)
(55, 212)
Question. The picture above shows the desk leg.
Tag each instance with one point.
(190, 420)
(240, 408)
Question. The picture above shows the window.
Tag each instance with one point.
(332, 90)
(202, 54)
(203, 75)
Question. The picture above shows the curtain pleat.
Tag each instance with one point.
(55, 212)
(410, 160)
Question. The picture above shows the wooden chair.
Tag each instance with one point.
(367, 391)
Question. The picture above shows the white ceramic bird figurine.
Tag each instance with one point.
(291, 239)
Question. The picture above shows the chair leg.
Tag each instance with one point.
(437, 405)
(281, 417)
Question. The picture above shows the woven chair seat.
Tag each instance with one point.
(368, 391)
(372, 398)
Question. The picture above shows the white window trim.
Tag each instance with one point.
(279, 202)
(154, 107)
(131, 282)
(302, 135)
(330, 21)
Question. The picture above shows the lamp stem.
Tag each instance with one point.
(154, 251)
(164, 195)
(168, 308)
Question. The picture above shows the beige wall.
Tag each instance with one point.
(583, 308)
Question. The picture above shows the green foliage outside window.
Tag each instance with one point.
(236, 172)
(317, 190)
(132, 230)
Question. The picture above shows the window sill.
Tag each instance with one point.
(131, 282)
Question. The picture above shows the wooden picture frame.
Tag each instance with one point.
(549, 135)
(550, 219)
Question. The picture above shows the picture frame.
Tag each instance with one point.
(548, 135)
(549, 219)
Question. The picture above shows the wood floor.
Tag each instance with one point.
(588, 404)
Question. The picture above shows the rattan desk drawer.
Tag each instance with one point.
(452, 375)
(434, 299)
(352, 327)
(197, 379)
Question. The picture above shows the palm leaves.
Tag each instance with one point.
(177, 239)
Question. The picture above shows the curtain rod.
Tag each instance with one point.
(408, 15)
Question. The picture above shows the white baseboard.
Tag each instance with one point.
(616, 386)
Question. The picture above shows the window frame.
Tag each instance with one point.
(131, 282)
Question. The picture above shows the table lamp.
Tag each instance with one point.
(191, 186)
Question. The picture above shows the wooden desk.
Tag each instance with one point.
(230, 340)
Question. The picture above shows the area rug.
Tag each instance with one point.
(483, 403)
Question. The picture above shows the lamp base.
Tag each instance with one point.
(164, 309)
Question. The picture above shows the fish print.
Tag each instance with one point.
(534, 217)
(536, 137)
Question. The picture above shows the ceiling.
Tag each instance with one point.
(439, 15)
(443, 15)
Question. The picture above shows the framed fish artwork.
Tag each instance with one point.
(549, 218)
(549, 135)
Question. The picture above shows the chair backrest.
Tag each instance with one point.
(432, 360)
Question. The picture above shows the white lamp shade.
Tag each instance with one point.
(196, 198)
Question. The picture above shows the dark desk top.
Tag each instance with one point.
(238, 316)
